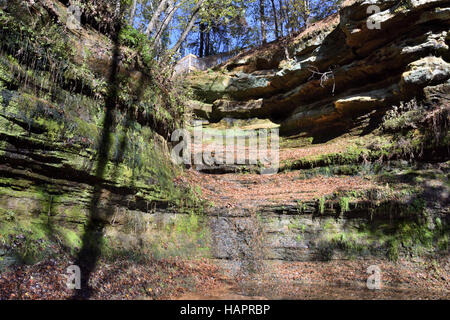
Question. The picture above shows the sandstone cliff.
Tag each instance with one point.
(331, 75)
(364, 164)
(82, 136)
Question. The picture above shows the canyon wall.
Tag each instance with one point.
(338, 72)
(83, 134)
(378, 91)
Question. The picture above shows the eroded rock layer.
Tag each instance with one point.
(337, 70)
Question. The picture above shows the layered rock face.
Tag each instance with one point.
(361, 61)
(65, 163)
(344, 74)
(70, 153)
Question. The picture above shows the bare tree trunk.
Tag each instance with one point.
(201, 50)
(289, 27)
(282, 17)
(305, 12)
(208, 43)
(172, 9)
(117, 11)
(275, 16)
(155, 17)
(263, 21)
(189, 26)
(133, 12)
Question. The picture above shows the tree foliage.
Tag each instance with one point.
(206, 27)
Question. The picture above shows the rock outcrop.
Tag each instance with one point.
(381, 75)
(77, 160)
(71, 151)
(348, 65)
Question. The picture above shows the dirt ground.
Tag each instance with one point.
(340, 280)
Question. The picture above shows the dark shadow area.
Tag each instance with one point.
(93, 235)
(92, 239)
(50, 198)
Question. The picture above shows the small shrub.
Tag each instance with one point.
(406, 116)
(393, 250)
(344, 205)
(321, 205)
(27, 249)
(325, 251)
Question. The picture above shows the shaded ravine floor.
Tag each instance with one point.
(339, 280)
(121, 280)
(201, 280)
(323, 292)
